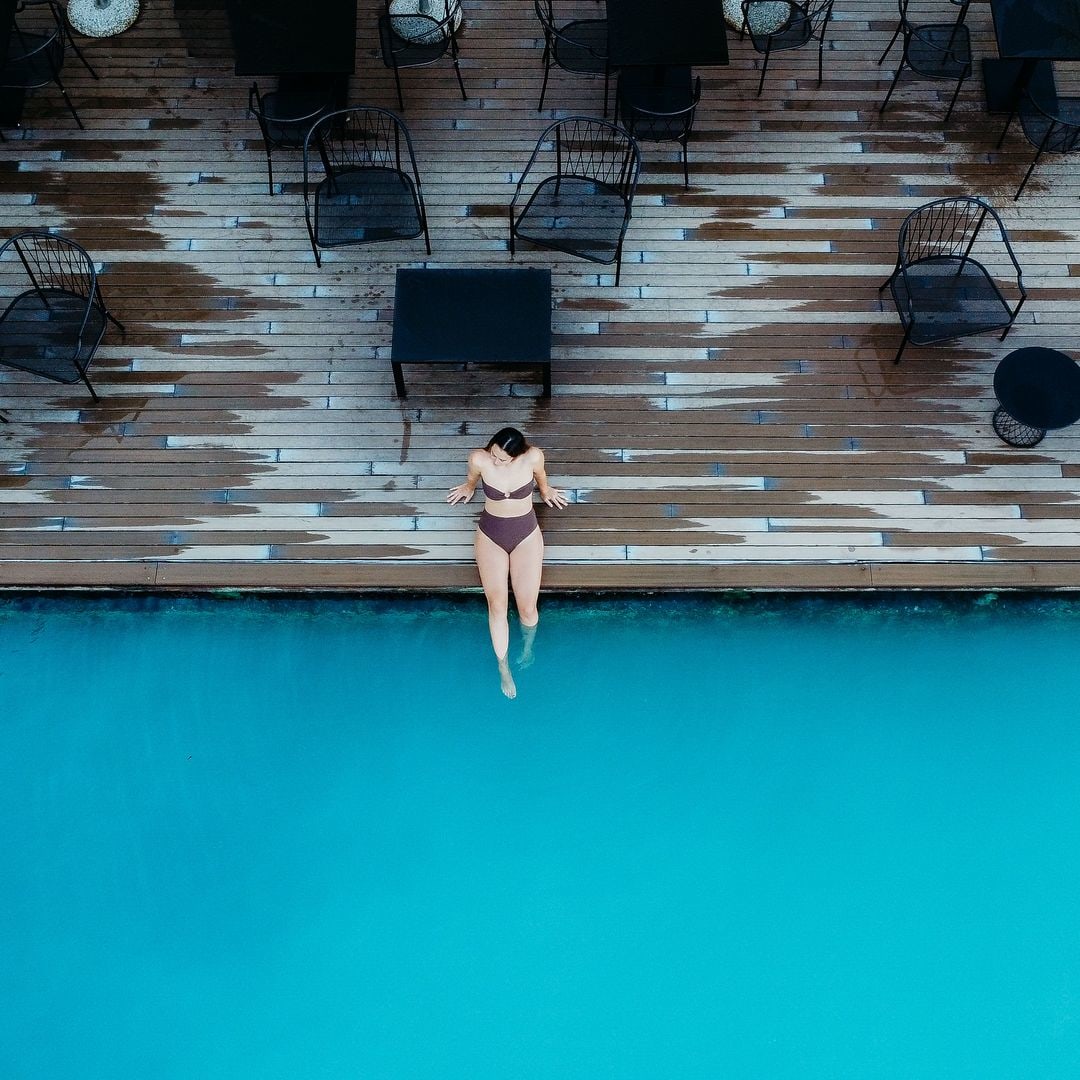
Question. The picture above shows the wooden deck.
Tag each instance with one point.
(729, 416)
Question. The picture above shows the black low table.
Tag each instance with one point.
(311, 45)
(500, 317)
(1038, 389)
(669, 33)
(1028, 32)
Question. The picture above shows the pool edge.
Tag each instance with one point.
(385, 577)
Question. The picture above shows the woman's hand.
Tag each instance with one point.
(460, 494)
(556, 498)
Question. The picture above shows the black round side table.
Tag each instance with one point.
(1037, 389)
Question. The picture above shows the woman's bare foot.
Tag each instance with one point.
(528, 635)
(506, 679)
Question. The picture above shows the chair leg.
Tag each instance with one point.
(397, 83)
(78, 52)
(764, 68)
(821, 58)
(269, 171)
(1035, 160)
(607, 79)
(511, 232)
(67, 101)
(1005, 130)
(311, 237)
(111, 317)
(956, 94)
(685, 168)
(896, 79)
(93, 392)
(543, 89)
(903, 346)
(457, 71)
(892, 42)
(1031, 169)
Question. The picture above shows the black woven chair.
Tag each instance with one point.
(658, 106)
(54, 327)
(941, 292)
(579, 46)
(933, 50)
(370, 188)
(805, 21)
(580, 182)
(1051, 123)
(35, 52)
(418, 39)
(285, 117)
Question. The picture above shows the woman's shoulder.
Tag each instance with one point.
(479, 457)
(535, 456)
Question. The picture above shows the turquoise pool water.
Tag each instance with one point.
(709, 840)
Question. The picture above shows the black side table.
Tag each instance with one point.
(1038, 389)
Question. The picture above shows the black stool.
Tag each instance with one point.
(1037, 389)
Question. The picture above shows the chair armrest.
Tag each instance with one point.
(21, 58)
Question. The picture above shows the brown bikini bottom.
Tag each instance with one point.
(508, 532)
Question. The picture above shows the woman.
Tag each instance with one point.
(508, 538)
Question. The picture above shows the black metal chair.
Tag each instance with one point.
(370, 188)
(54, 327)
(941, 292)
(963, 5)
(35, 52)
(805, 21)
(658, 106)
(58, 14)
(1051, 123)
(285, 117)
(933, 50)
(420, 38)
(579, 46)
(581, 180)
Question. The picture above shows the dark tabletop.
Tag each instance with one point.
(486, 316)
(642, 32)
(289, 37)
(1037, 29)
(1039, 387)
(7, 18)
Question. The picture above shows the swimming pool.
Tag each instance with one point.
(711, 839)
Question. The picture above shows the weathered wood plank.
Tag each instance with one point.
(727, 417)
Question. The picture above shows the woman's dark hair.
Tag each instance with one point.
(510, 440)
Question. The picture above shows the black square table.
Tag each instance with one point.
(666, 33)
(500, 317)
(1037, 29)
(1028, 31)
(286, 37)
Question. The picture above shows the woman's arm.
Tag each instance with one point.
(551, 496)
(464, 492)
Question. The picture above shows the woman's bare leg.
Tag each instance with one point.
(526, 568)
(494, 565)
